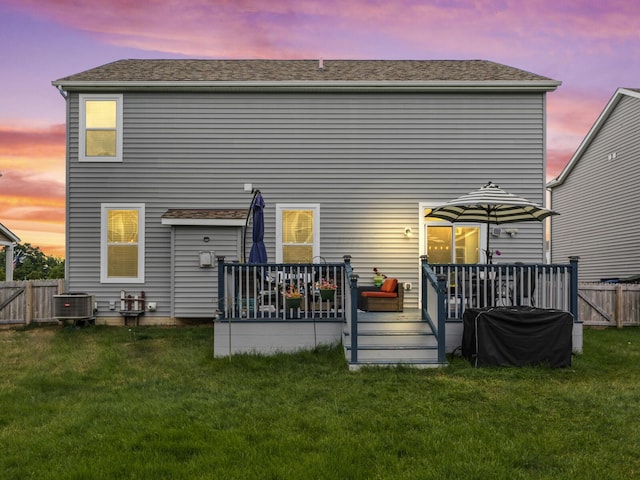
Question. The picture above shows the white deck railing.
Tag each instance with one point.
(493, 285)
(259, 291)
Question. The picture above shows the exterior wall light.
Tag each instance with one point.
(408, 232)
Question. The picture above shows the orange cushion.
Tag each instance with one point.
(377, 294)
(389, 285)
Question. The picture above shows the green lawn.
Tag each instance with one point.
(153, 403)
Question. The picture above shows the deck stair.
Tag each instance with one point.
(391, 339)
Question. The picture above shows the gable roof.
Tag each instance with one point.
(301, 74)
(618, 95)
(7, 236)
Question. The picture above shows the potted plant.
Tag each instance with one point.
(327, 289)
(378, 277)
(490, 254)
(292, 297)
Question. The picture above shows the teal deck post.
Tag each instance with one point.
(442, 319)
(353, 291)
(424, 259)
(573, 298)
(221, 286)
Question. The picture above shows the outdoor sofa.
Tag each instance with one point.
(389, 297)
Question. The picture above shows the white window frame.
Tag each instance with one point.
(104, 251)
(425, 222)
(280, 207)
(83, 98)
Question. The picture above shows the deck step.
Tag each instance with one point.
(401, 341)
(393, 326)
(394, 354)
(394, 341)
(386, 363)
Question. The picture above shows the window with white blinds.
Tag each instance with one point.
(298, 233)
(122, 245)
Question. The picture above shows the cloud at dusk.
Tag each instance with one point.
(589, 46)
(570, 115)
(338, 29)
(32, 198)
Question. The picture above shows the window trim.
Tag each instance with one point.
(426, 222)
(280, 207)
(83, 98)
(104, 251)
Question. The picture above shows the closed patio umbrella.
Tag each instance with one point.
(258, 253)
(490, 204)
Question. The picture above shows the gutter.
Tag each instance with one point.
(311, 86)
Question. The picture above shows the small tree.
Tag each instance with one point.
(30, 263)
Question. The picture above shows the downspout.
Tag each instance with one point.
(65, 95)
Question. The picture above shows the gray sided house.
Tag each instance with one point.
(598, 196)
(162, 156)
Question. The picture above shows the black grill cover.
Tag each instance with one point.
(518, 336)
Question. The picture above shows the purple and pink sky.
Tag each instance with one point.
(590, 45)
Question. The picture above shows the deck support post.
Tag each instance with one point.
(573, 291)
(221, 286)
(442, 318)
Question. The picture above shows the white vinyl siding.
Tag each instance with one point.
(122, 243)
(100, 138)
(195, 288)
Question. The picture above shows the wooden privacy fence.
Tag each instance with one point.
(599, 304)
(609, 304)
(28, 301)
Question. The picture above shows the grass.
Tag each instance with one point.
(153, 403)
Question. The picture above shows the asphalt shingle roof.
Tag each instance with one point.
(149, 71)
(205, 214)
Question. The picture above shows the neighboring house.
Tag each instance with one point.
(7, 240)
(162, 156)
(598, 198)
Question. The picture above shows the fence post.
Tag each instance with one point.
(221, 287)
(619, 308)
(28, 297)
(573, 298)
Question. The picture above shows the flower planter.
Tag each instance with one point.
(377, 280)
(293, 302)
(327, 293)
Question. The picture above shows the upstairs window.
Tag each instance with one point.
(122, 246)
(100, 136)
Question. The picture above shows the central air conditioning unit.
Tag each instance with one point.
(73, 306)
